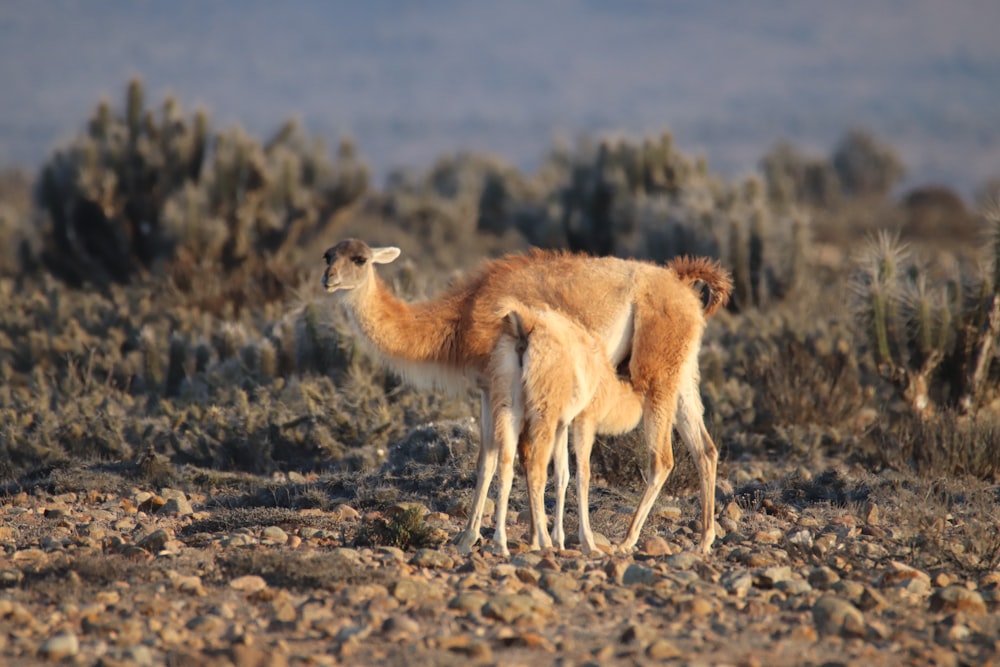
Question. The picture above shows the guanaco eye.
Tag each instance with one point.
(358, 259)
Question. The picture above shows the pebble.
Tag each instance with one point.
(469, 601)
(834, 615)
(62, 645)
(432, 558)
(655, 546)
(637, 574)
(250, 583)
(683, 561)
(273, 536)
(956, 598)
(179, 506)
(507, 607)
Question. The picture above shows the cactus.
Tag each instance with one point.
(152, 363)
(935, 345)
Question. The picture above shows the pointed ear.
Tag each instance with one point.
(384, 255)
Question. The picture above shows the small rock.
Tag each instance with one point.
(683, 561)
(469, 601)
(273, 535)
(834, 616)
(793, 587)
(700, 607)
(462, 507)
(615, 570)
(62, 645)
(508, 606)
(737, 582)
(732, 511)
(769, 576)
(801, 538)
(957, 598)
(669, 514)
(433, 558)
(155, 541)
(662, 649)
(639, 634)
(901, 574)
(871, 599)
(636, 574)
(250, 583)
(401, 624)
(770, 536)
(179, 506)
(344, 512)
(851, 590)
(655, 546)
(557, 581)
(526, 559)
(870, 513)
(411, 590)
(823, 577)
(236, 540)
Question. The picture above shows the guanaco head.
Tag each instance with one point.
(349, 264)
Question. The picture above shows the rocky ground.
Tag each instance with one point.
(108, 567)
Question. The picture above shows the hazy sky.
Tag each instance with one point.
(413, 80)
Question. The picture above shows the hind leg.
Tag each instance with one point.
(691, 427)
(657, 421)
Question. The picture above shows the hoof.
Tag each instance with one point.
(465, 541)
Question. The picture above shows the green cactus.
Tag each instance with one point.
(934, 345)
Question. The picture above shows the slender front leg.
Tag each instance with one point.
(485, 469)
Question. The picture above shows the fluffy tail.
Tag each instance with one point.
(708, 271)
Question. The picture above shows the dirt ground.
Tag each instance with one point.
(104, 565)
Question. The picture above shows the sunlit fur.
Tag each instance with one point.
(649, 313)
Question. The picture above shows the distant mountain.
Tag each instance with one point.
(413, 80)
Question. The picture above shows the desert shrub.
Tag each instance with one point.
(648, 200)
(405, 529)
(793, 178)
(18, 235)
(142, 187)
(951, 444)
(806, 380)
(936, 214)
(865, 166)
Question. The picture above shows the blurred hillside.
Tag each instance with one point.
(410, 82)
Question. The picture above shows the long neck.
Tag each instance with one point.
(419, 333)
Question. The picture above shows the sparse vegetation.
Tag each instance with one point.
(162, 295)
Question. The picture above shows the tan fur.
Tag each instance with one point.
(567, 383)
(634, 309)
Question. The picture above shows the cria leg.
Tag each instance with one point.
(560, 474)
(583, 443)
(507, 440)
(544, 436)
